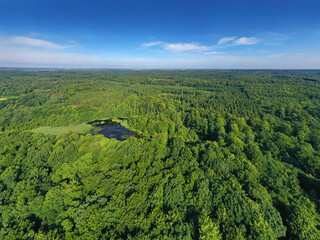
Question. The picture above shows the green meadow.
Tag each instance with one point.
(78, 128)
(6, 98)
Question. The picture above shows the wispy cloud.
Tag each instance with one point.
(246, 41)
(152, 44)
(236, 41)
(262, 51)
(32, 42)
(178, 47)
(272, 43)
(213, 53)
(23, 51)
(194, 46)
(23, 41)
(277, 36)
(225, 40)
(275, 39)
(22, 57)
(279, 55)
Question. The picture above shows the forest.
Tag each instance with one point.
(218, 154)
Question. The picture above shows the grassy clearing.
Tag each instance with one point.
(6, 98)
(79, 128)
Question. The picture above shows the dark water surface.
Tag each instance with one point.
(110, 129)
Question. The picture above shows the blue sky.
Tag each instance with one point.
(160, 34)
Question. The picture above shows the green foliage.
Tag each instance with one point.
(224, 155)
(209, 230)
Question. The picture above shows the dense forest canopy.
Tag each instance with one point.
(222, 155)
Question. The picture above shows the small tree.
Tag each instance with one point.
(209, 230)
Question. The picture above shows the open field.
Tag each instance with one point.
(79, 128)
(6, 98)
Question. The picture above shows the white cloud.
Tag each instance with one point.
(262, 51)
(35, 43)
(272, 44)
(275, 39)
(234, 41)
(152, 44)
(22, 57)
(213, 53)
(279, 55)
(246, 41)
(30, 52)
(222, 43)
(225, 40)
(178, 47)
(276, 36)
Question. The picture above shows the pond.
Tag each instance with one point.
(110, 129)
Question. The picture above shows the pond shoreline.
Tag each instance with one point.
(113, 128)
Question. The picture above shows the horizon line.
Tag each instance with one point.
(142, 69)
